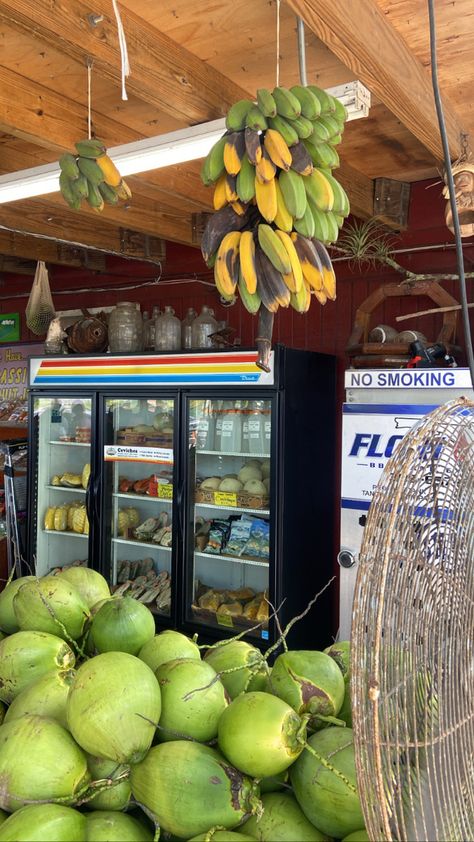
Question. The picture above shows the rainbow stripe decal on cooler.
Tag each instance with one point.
(219, 369)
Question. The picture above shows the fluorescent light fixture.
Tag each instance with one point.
(153, 153)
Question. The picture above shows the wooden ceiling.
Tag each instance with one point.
(189, 62)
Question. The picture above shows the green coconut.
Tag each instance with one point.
(8, 620)
(275, 783)
(192, 700)
(3, 816)
(90, 584)
(122, 625)
(261, 734)
(52, 605)
(190, 788)
(252, 673)
(115, 797)
(113, 706)
(167, 646)
(223, 836)
(2, 635)
(357, 836)
(28, 655)
(44, 823)
(3, 710)
(329, 796)
(38, 760)
(282, 821)
(310, 682)
(47, 696)
(341, 652)
(107, 826)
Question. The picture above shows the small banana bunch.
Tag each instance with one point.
(91, 175)
(277, 204)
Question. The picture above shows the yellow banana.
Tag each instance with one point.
(123, 190)
(266, 198)
(310, 261)
(227, 296)
(227, 261)
(234, 148)
(320, 295)
(265, 169)
(277, 149)
(293, 279)
(247, 261)
(230, 188)
(109, 170)
(283, 219)
(220, 197)
(301, 301)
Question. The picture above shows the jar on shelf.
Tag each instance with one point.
(168, 331)
(205, 435)
(186, 328)
(125, 328)
(231, 427)
(149, 331)
(256, 428)
(202, 327)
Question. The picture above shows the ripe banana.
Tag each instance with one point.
(265, 169)
(293, 279)
(252, 145)
(67, 192)
(319, 190)
(287, 104)
(247, 261)
(271, 286)
(91, 170)
(91, 148)
(108, 193)
(310, 261)
(237, 115)
(266, 197)
(218, 225)
(245, 184)
(251, 301)
(283, 219)
(123, 190)
(284, 127)
(110, 172)
(230, 188)
(300, 159)
(223, 292)
(219, 199)
(301, 300)
(277, 148)
(329, 276)
(238, 207)
(213, 165)
(310, 106)
(234, 148)
(320, 295)
(340, 204)
(256, 120)
(68, 165)
(274, 249)
(266, 103)
(227, 262)
(294, 194)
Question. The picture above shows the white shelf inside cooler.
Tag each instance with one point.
(69, 534)
(234, 453)
(141, 544)
(140, 497)
(77, 490)
(234, 559)
(72, 443)
(234, 509)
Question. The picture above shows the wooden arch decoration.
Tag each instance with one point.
(372, 354)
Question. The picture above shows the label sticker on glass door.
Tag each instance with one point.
(119, 453)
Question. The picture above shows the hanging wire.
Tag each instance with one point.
(452, 197)
(90, 64)
(123, 48)
(278, 43)
(301, 51)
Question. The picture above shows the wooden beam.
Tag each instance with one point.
(31, 248)
(164, 74)
(359, 188)
(360, 35)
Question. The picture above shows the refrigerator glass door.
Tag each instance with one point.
(229, 514)
(63, 459)
(139, 459)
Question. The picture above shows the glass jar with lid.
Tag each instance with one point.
(202, 327)
(125, 328)
(186, 328)
(168, 331)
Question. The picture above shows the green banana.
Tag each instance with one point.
(340, 112)
(266, 102)
(91, 170)
(273, 247)
(305, 225)
(251, 301)
(321, 223)
(288, 133)
(339, 219)
(319, 190)
(94, 197)
(91, 148)
(65, 186)
(341, 205)
(237, 115)
(320, 133)
(80, 186)
(322, 155)
(245, 184)
(68, 165)
(108, 193)
(332, 125)
(213, 165)
(302, 126)
(294, 193)
(310, 106)
(287, 104)
(326, 101)
(333, 227)
(335, 140)
(256, 120)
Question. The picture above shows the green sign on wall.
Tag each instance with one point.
(9, 327)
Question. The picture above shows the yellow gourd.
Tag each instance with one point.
(60, 519)
(49, 517)
(122, 522)
(78, 519)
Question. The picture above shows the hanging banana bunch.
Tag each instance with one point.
(277, 203)
(92, 176)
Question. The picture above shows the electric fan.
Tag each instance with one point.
(412, 637)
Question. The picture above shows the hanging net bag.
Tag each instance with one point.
(40, 308)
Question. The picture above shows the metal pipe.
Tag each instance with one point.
(301, 50)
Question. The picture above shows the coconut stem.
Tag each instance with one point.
(152, 817)
(74, 644)
(330, 768)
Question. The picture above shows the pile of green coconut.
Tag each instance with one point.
(113, 732)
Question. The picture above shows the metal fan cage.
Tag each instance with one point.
(412, 637)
